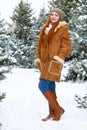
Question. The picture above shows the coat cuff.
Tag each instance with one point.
(36, 61)
(57, 58)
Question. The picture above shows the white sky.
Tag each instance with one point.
(7, 7)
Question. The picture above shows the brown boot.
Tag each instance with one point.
(51, 110)
(58, 114)
(58, 111)
(51, 114)
(61, 110)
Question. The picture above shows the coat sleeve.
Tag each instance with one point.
(66, 45)
(38, 49)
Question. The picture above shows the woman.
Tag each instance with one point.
(54, 45)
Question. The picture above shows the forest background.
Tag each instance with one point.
(18, 40)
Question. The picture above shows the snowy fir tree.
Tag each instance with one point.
(4, 57)
(78, 30)
(22, 16)
(42, 17)
(81, 101)
(20, 54)
(23, 20)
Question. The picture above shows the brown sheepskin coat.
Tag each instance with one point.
(58, 44)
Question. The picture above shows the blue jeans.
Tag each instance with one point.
(45, 85)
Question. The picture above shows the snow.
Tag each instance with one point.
(82, 17)
(24, 105)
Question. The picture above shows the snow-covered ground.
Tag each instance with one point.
(24, 105)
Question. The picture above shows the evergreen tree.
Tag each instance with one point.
(3, 55)
(81, 101)
(4, 58)
(23, 30)
(39, 22)
(19, 53)
(22, 17)
(42, 17)
(78, 30)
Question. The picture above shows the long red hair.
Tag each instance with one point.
(51, 31)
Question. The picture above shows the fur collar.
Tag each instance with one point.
(52, 31)
(61, 24)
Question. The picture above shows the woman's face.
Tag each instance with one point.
(54, 17)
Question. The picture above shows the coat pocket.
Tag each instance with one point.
(55, 68)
